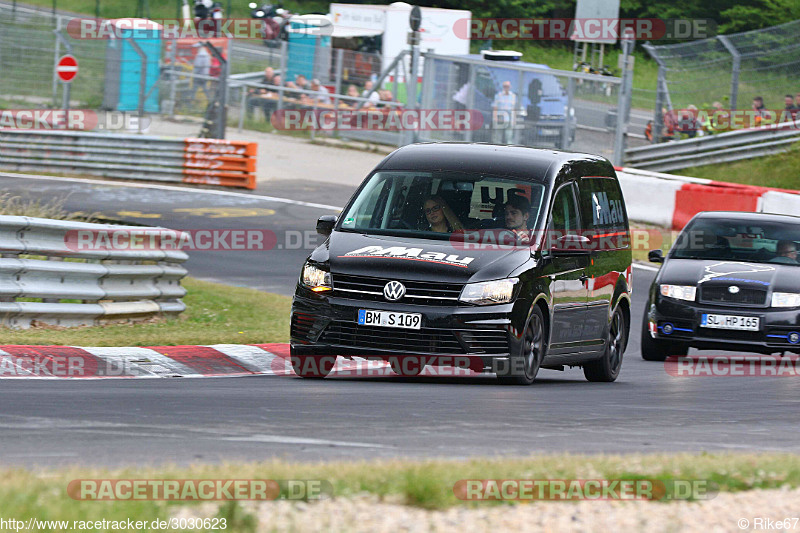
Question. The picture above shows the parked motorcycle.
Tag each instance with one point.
(275, 22)
(207, 17)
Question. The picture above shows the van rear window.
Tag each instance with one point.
(601, 204)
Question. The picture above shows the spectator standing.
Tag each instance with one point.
(504, 113)
(201, 68)
(760, 110)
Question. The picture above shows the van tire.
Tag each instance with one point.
(312, 366)
(532, 351)
(606, 369)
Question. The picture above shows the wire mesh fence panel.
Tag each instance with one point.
(27, 48)
(770, 61)
(729, 71)
(530, 106)
(250, 56)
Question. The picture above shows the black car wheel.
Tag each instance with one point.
(607, 368)
(658, 349)
(312, 366)
(524, 367)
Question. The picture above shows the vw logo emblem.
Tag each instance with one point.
(394, 290)
(733, 289)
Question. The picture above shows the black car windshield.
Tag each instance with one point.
(730, 239)
(442, 204)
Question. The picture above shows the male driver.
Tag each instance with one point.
(517, 210)
(787, 249)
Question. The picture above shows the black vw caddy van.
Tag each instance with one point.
(505, 259)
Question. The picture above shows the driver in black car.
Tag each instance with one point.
(517, 211)
(787, 252)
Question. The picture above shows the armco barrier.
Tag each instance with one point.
(138, 157)
(669, 200)
(719, 148)
(41, 259)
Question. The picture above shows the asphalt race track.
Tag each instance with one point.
(119, 422)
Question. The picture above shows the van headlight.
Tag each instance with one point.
(679, 292)
(316, 279)
(785, 299)
(489, 292)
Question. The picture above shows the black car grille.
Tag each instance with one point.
(424, 340)
(417, 292)
(721, 294)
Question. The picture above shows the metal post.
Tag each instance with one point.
(411, 82)
(662, 95)
(173, 77)
(623, 101)
(243, 108)
(284, 74)
(338, 74)
(471, 96)
(737, 62)
(566, 132)
(222, 90)
(56, 55)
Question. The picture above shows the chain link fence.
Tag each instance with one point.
(729, 69)
(183, 77)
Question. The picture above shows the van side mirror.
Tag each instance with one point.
(655, 256)
(325, 224)
(571, 245)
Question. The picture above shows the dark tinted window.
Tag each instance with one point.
(565, 215)
(739, 240)
(602, 207)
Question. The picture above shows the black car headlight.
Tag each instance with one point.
(785, 299)
(489, 292)
(316, 279)
(679, 292)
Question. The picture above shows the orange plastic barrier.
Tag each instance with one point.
(220, 162)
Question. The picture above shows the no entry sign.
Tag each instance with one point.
(67, 68)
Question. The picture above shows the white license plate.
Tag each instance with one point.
(747, 323)
(389, 319)
(550, 133)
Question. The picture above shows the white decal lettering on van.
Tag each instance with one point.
(400, 252)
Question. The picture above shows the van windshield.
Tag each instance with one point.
(441, 204)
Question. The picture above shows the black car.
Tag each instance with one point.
(730, 282)
(504, 259)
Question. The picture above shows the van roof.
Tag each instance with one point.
(501, 160)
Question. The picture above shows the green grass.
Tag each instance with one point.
(215, 314)
(425, 484)
(780, 170)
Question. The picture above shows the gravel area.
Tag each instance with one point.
(720, 514)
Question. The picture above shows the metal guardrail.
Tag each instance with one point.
(719, 148)
(54, 272)
(139, 157)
